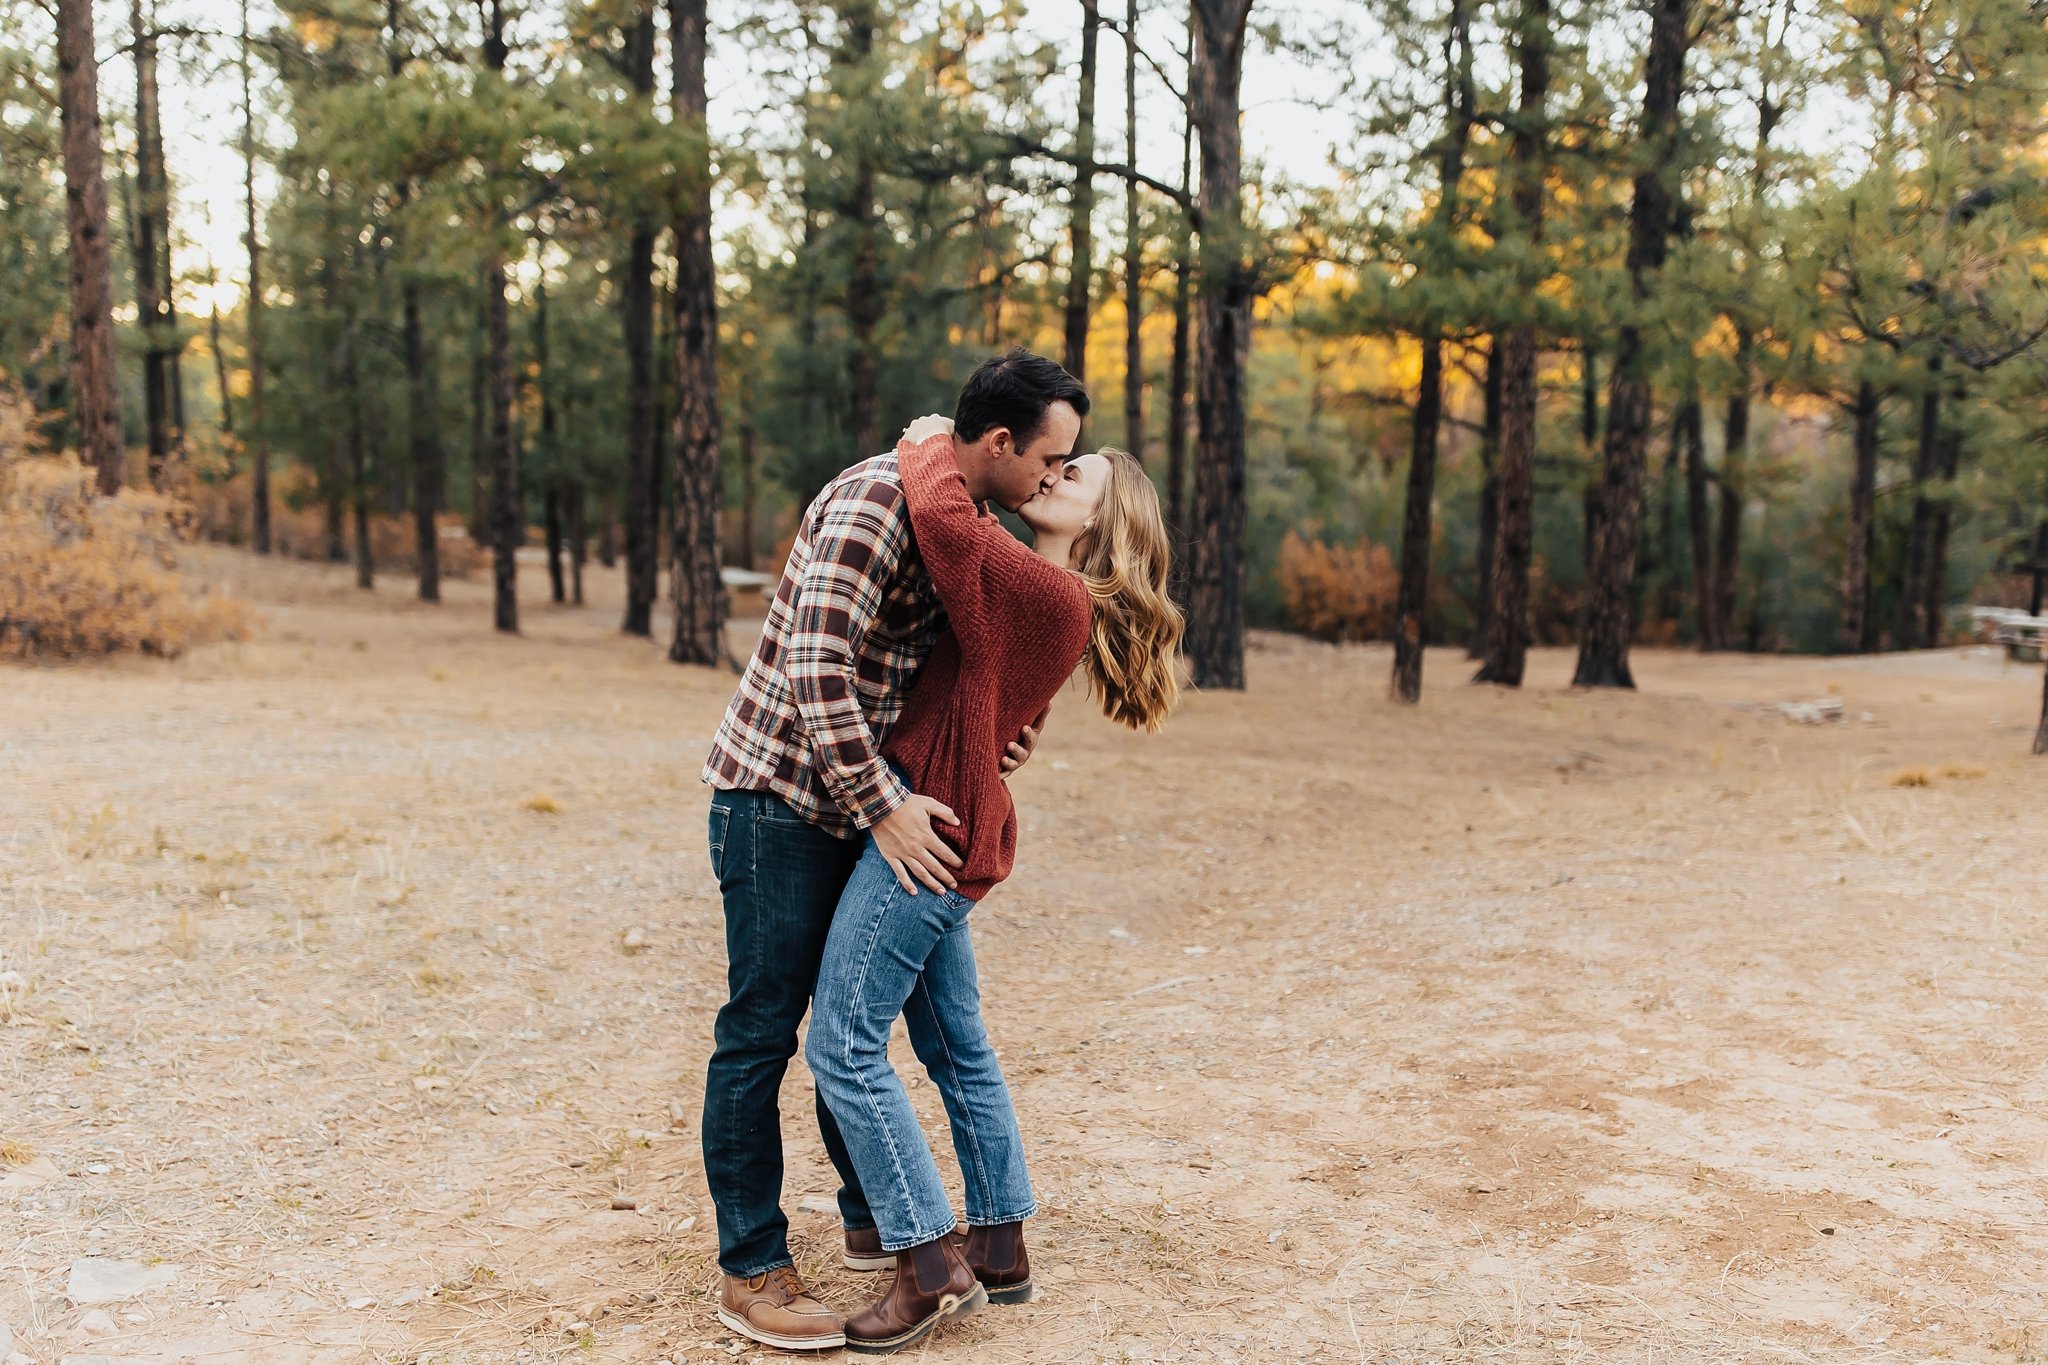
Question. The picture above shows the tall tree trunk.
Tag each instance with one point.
(507, 525)
(550, 449)
(698, 584)
(1858, 629)
(1412, 596)
(1914, 632)
(95, 390)
(1134, 252)
(1609, 624)
(1489, 499)
(1081, 203)
(429, 475)
(1698, 510)
(252, 305)
(1179, 368)
(150, 251)
(1223, 324)
(508, 521)
(2038, 596)
(577, 541)
(358, 443)
(1507, 614)
(480, 457)
(643, 521)
(215, 343)
(1734, 493)
(1934, 604)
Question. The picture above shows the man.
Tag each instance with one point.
(801, 783)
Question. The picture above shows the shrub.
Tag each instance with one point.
(83, 575)
(221, 502)
(1337, 592)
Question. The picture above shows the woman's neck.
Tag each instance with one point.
(1055, 549)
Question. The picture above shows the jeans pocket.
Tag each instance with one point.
(721, 826)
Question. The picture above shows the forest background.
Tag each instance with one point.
(1710, 321)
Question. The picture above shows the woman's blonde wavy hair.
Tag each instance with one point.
(1127, 559)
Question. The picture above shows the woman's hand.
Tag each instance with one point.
(926, 427)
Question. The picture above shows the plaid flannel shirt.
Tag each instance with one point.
(853, 619)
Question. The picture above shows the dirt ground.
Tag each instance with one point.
(1518, 1027)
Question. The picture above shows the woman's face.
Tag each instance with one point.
(1066, 508)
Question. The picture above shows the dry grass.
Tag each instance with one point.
(1518, 1028)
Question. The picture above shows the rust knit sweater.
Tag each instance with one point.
(1019, 626)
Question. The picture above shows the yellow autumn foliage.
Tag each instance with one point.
(82, 574)
(1338, 592)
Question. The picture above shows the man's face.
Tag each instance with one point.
(1016, 475)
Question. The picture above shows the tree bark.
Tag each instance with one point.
(1412, 596)
(1858, 633)
(551, 452)
(1081, 204)
(2039, 593)
(864, 286)
(1223, 322)
(1489, 500)
(1134, 252)
(429, 475)
(1934, 604)
(96, 394)
(1609, 623)
(480, 457)
(1734, 494)
(578, 543)
(259, 437)
(695, 571)
(1178, 371)
(1507, 614)
(150, 247)
(215, 343)
(643, 475)
(507, 525)
(358, 443)
(1913, 631)
(1698, 510)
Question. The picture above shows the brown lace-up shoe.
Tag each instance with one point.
(933, 1283)
(996, 1255)
(864, 1251)
(776, 1310)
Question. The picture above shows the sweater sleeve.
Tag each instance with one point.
(983, 574)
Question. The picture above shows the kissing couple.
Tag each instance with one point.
(905, 669)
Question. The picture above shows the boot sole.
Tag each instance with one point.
(852, 1261)
(735, 1323)
(1011, 1293)
(882, 1346)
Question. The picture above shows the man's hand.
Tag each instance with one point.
(914, 848)
(924, 428)
(1019, 752)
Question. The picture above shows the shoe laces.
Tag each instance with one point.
(788, 1283)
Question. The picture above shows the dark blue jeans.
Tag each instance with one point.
(781, 877)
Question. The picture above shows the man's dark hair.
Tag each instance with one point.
(1014, 391)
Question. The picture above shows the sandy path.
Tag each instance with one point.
(1518, 1027)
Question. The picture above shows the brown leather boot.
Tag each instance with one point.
(996, 1255)
(776, 1310)
(864, 1251)
(933, 1283)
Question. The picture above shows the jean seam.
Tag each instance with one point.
(860, 1078)
(973, 1119)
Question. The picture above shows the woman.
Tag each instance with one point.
(1090, 590)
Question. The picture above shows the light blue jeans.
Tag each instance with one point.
(890, 953)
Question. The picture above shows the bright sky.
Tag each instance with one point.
(202, 116)
(1290, 122)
